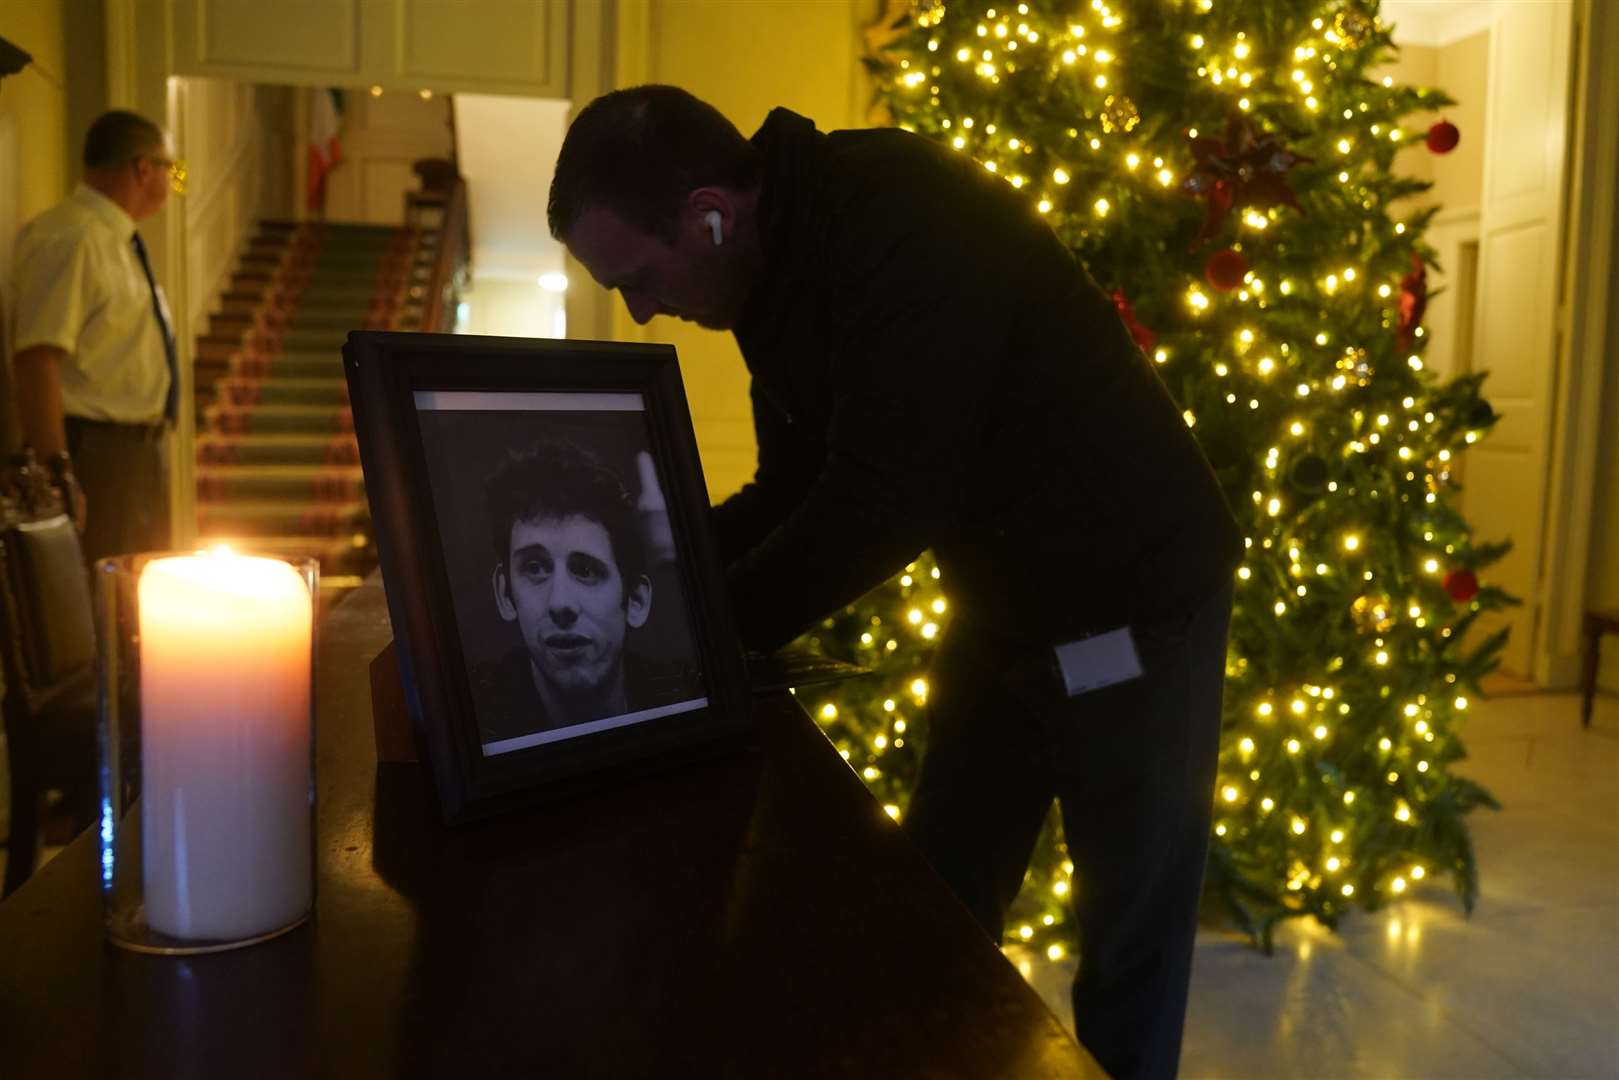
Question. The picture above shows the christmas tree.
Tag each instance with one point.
(1224, 171)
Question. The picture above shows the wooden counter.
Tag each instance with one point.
(756, 914)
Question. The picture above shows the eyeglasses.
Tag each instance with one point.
(175, 167)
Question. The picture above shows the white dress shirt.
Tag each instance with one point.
(79, 286)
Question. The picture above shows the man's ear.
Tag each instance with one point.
(503, 593)
(638, 602)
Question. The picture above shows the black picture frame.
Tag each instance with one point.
(425, 406)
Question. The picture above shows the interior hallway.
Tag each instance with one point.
(1528, 986)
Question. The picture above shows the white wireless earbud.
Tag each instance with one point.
(715, 227)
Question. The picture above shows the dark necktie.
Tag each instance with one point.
(171, 403)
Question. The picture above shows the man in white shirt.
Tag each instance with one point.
(94, 347)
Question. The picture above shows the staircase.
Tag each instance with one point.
(278, 468)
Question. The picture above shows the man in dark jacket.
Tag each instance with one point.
(933, 369)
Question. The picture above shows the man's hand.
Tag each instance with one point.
(39, 411)
(73, 501)
(654, 512)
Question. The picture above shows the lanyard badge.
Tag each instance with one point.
(1100, 660)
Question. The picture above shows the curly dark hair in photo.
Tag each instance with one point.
(558, 479)
(639, 152)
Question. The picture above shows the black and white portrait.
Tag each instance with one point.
(564, 579)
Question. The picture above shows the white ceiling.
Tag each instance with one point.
(506, 147)
(1440, 22)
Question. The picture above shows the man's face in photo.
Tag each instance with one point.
(564, 589)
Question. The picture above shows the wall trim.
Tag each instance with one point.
(1588, 333)
(1437, 24)
(240, 171)
(1449, 217)
(608, 41)
(121, 54)
(200, 205)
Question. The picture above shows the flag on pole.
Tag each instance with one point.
(325, 151)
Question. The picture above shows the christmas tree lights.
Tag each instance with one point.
(1225, 170)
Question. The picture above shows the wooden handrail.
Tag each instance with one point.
(449, 268)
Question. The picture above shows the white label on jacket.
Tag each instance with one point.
(1097, 661)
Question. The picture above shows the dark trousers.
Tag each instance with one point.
(124, 471)
(1133, 769)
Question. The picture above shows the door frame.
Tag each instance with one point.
(1590, 345)
(141, 77)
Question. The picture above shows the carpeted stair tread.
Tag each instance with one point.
(329, 261)
(306, 366)
(351, 287)
(337, 554)
(251, 450)
(277, 517)
(242, 393)
(325, 306)
(307, 483)
(277, 419)
(358, 231)
(351, 272)
(313, 340)
(355, 259)
(301, 365)
(327, 322)
(360, 295)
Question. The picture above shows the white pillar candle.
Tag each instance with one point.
(226, 791)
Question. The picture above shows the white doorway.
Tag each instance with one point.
(1501, 243)
(507, 148)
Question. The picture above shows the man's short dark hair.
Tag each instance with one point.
(116, 138)
(556, 479)
(639, 152)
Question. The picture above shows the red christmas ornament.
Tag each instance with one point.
(1413, 302)
(1443, 137)
(1245, 168)
(1462, 585)
(1145, 339)
(1225, 269)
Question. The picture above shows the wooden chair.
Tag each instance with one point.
(48, 656)
(1597, 623)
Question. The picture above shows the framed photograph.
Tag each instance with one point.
(557, 605)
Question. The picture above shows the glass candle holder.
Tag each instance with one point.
(207, 748)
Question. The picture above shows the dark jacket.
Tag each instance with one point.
(932, 368)
(507, 704)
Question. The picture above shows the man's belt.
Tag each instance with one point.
(150, 430)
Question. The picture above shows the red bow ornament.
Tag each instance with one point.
(1413, 301)
(1245, 168)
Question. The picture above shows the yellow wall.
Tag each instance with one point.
(1414, 65)
(1462, 69)
(744, 58)
(33, 150)
(1603, 586)
(33, 103)
(222, 140)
